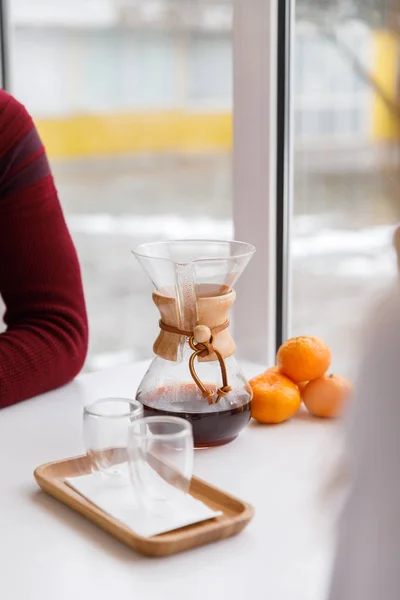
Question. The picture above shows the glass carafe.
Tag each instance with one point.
(194, 374)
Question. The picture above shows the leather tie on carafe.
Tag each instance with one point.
(202, 349)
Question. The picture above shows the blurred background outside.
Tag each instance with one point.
(133, 100)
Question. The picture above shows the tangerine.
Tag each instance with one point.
(275, 398)
(304, 358)
(327, 396)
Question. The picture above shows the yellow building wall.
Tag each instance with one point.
(386, 124)
(102, 134)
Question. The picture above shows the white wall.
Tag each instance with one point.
(65, 13)
(41, 76)
(210, 71)
(59, 71)
(331, 99)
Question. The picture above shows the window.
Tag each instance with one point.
(345, 169)
(133, 100)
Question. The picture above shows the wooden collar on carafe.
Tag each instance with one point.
(201, 342)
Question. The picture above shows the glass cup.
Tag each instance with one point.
(160, 452)
(106, 425)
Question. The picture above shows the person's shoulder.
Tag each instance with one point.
(9, 103)
(15, 121)
(5, 99)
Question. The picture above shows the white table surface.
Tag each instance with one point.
(48, 552)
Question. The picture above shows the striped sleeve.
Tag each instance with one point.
(23, 160)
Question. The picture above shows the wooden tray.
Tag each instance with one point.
(236, 514)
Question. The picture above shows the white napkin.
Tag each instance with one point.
(116, 497)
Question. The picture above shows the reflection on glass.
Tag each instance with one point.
(133, 101)
(346, 164)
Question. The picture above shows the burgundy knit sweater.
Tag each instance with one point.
(45, 343)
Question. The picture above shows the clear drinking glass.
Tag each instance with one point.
(106, 425)
(160, 451)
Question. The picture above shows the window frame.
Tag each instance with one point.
(4, 47)
(262, 171)
(285, 171)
